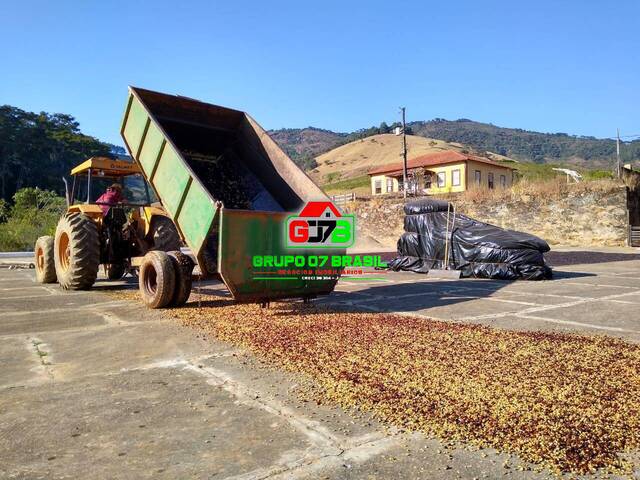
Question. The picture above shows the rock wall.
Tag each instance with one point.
(576, 218)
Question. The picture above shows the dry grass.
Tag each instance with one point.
(551, 189)
(358, 157)
(568, 402)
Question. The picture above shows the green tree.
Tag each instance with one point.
(31, 203)
(37, 149)
(306, 162)
(35, 212)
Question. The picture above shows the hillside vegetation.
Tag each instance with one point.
(358, 157)
(37, 149)
(529, 146)
(304, 144)
(34, 213)
(511, 142)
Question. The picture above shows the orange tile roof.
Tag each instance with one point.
(315, 209)
(433, 159)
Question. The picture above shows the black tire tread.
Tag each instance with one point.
(48, 274)
(165, 277)
(183, 266)
(84, 261)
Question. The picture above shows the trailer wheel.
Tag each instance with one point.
(157, 279)
(183, 266)
(76, 251)
(45, 264)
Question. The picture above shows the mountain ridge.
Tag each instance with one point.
(305, 144)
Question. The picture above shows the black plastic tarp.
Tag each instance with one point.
(475, 248)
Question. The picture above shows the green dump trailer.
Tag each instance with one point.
(228, 188)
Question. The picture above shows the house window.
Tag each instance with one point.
(389, 185)
(442, 179)
(427, 180)
(490, 180)
(378, 187)
(478, 177)
(503, 181)
(455, 177)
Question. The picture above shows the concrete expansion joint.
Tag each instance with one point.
(604, 285)
(305, 466)
(373, 308)
(96, 328)
(43, 357)
(326, 449)
(318, 435)
(304, 461)
(90, 307)
(544, 308)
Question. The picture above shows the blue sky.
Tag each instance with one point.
(554, 66)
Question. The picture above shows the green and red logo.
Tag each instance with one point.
(320, 225)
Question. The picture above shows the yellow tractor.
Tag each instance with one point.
(98, 230)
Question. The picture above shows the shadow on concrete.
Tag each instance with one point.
(388, 297)
(557, 259)
(561, 275)
(424, 294)
(126, 283)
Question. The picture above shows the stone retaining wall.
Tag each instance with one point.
(577, 218)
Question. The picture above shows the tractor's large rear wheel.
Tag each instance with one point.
(163, 234)
(45, 264)
(76, 251)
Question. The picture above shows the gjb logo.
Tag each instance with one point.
(320, 225)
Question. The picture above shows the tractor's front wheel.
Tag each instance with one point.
(45, 264)
(76, 251)
(115, 271)
(163, 234)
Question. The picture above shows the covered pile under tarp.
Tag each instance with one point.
(475, 248)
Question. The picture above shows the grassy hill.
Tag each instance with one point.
(356, 158)
(558, 148)
(345, 168)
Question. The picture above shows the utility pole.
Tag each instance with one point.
(404, 154)
(618, 153)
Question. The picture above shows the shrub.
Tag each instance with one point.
(34, 213)
(4, 210)
(597, 174)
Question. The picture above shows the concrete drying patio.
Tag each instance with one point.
(93, 386)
